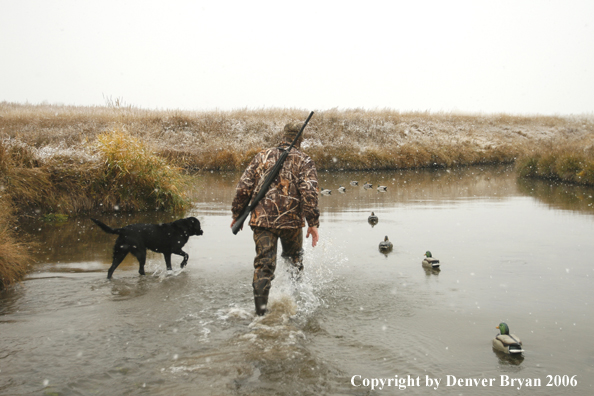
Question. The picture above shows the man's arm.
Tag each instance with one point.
(245, 188)
(308, 188)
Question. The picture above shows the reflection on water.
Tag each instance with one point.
(510, 250)
(559, 195)
(509, 360)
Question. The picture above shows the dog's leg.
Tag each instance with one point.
(185, 255)
(141, 256)
(120, 251)
(168, 260)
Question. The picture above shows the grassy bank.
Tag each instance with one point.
(122, 174)
(58, 161)
(336, 139)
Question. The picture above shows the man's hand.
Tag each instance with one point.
(313, 231)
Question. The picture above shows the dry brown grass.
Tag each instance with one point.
(14, 255)
(336, 139)
(569, 159)
(126, 177)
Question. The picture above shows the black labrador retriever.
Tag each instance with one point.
(167, 238)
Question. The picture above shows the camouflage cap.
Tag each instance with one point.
(291, 130)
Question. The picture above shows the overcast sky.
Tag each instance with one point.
(519, 57)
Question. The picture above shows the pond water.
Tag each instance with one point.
(512, 251)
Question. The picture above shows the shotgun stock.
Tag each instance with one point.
(269, 179)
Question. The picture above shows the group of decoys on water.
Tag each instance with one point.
(342, 189)
(504, 342)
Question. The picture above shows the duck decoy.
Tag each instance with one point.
(385, 245)
(341, 189)
(430, 261)
(367, 185)
(382, 188)
(325, 191)
(505, 342)
(372, 219)
(354, 183)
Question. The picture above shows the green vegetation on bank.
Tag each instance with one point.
(58, 161)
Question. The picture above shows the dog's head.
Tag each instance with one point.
(189, 226)
(194, 226)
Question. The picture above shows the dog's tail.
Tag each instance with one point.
(105, 227)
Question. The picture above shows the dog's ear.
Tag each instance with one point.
(182, 225)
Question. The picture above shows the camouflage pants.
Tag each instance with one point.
(266, 240)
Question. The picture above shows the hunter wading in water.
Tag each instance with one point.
(291, 200)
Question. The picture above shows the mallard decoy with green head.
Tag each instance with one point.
(430, 261)
(385, 245)
(341, 189)
(325, 191)
(505, 342)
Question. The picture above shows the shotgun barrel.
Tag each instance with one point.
(269, 179)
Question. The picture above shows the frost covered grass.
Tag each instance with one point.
(336, 139)
(352, 139)
(122, 173)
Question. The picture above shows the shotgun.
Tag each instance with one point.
(269, 179)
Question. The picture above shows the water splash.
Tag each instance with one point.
(161, 272)
(307, 291)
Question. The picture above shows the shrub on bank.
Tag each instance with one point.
(563, 162)
(134, 178)
(128, 176)
(14, 256)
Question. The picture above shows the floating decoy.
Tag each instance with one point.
(505, 342)
(372, 219)
(341, 189)
(354, 183)
(430, 261)
(367, 185)
(385, 245)
(382, 188)
(325, 191)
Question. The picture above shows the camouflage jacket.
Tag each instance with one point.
(292, 196)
